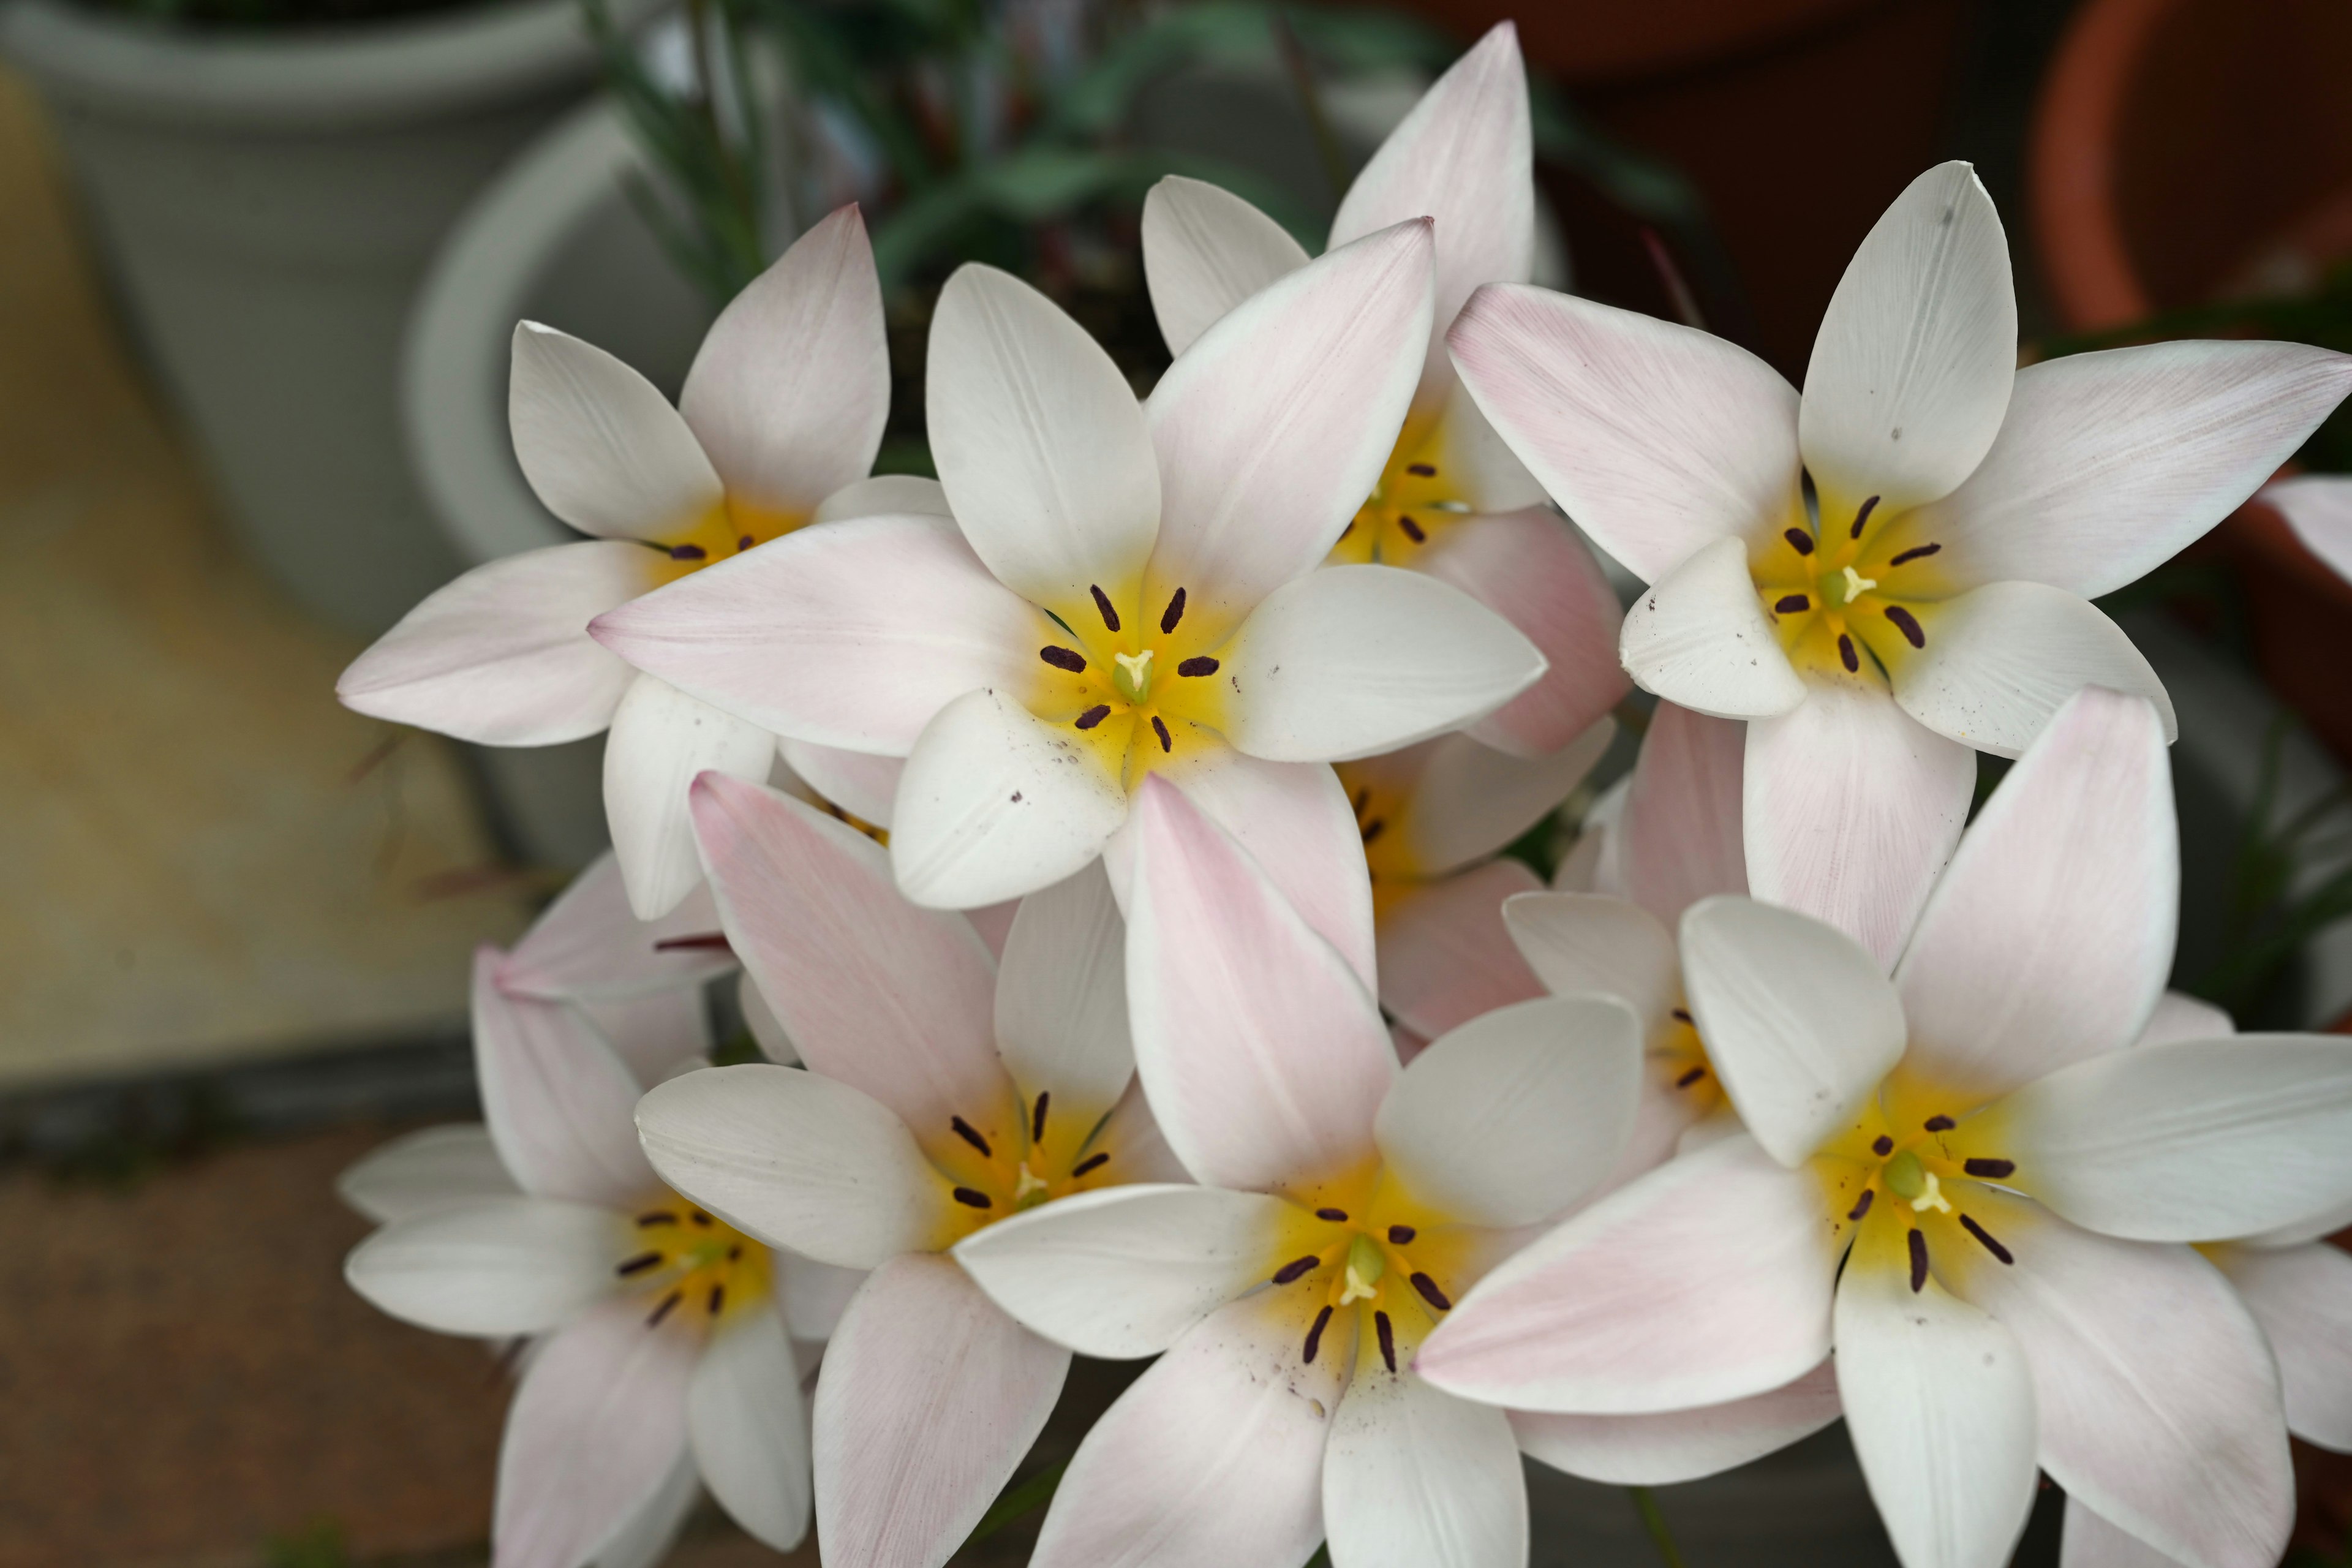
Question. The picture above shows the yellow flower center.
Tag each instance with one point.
(1414, 501)
(1854, 599)
(727, 530)
(1381, 1265)
(1901, 1181)
(692, 1269)
(1018, 1157)
(1133, 685)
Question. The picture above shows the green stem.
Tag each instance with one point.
(1655, 1524)
(1029, 1496)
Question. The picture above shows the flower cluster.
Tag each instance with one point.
(1109, 836)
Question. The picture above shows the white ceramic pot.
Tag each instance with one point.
(266, 204)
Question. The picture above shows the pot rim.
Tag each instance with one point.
(364, 76)
(2072, 164)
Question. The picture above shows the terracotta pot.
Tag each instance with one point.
(1784, 113)
(2186, 149)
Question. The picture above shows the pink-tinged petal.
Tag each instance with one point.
(1940, 1403)
(1273, 428)
(1040, 442)
(1851, 808)
(2092, 1542)
(2001, 660)
(1698, 638)
(792, 388)
(2157, 1401)
(1214, 1458)
(2302, 1297)
(1416, 1479)
(1349, 661)
(929, 1397)
(1061, 996)
(768, 1031)
(861, 783)
(663, 740)
(1656, 439)
(1675, 1445)
(654, 1528)
(1296, 821)
(1911, 370)
(502, 656)
(1532, 568)
(1138, 1149)
(1681, 829)
(492, 1268)
(1706, 1280)
(599, 443)
(1444, 953)
(432, 1168)
(994, 803)
(653, 1034)
(1800, 1024)
(2180, 1017)
(1264, 1059)
(1515, 1115)
(1580, 942)
(885, 494)
(1479, 464)
(815, 1295)
(2192, 1141)
(994, 924)
(797, 1160)
(1205, 250)
(1465, 156)
(2318, 507)
(748, 1430)
(1124, 1271)
(852, 635)
(587, 946)
(2048, 938)
(1468, 801)
(593, 1436)
(558, 1102)
(2110, 464)
(876, 993)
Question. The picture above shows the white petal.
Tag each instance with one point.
(1349, 662)
(1941, 1404)
(2180, 1017)
(491, 1268)
(653, 1530)
(1465, 156)
(1039, 440)
(1514, 1116)
(1214, 1458)
(792, 388)
(852, 635)
(502, 656)
(2194, 1141)
(860, 782)
(1272, 428)
(1681, 828)
(2157, 1401)
(1698, 638)
(655, 1035)
(1579, 942)
(1416, 1479)
(1445, 955)
(557, 1100)
(1489, 478)
(1124, 1271)
(431, 1168)
(875, 992)
(2048, 938)
(2318, 507)
(1800, 1023)
(903, 494)
(996, 802)
(662, 740)
(2110, 464)
(1205, 251)
(2001, 660)
(2302, 1297)
(1474, 801)
(588, 945)
(749, 1431)
(593, 1437)
(1706, 1280)
(930, 1398)
(2092, 1542)
(1264, 1059)
(815, 1295)
(600, 445)
(1061, 996)
(1297, 824)
(1657, 439)
(1851, 809)
(1680, 1445)
(1912, 368)
(798, 1161)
